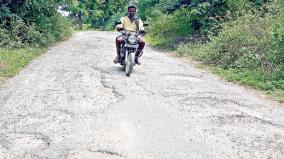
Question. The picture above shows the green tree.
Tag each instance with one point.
(98, 13)
(32, 22)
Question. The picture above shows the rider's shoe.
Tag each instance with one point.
(138, 61)
(138, 54)
(116, 60)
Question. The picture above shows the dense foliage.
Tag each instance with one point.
(177, 19)
(99, 13)
(31, 23)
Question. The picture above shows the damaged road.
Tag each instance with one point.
(73, 103)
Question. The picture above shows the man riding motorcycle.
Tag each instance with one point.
(130, 22)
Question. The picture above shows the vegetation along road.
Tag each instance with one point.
(73, 102)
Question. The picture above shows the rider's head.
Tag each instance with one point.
(131, 10)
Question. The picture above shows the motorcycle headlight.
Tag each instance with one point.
(132, 39)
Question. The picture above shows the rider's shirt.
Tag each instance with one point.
(126, 24)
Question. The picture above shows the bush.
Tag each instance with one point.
(171, 29)
(13, 35)
(53, 29)
(31, 24)
(41, 34)
(253, 43)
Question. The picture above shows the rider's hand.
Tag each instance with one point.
(118, 28)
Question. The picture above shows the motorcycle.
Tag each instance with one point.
(129, 49)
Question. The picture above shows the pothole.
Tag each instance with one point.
(208, 101)
(179, 76)
(95, 154)
(22, 142)
(240, 119)
(109, 153)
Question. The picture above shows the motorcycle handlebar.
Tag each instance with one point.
(140, 32)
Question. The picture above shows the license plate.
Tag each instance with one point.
(131, 46)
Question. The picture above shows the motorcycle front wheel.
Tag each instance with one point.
(129, 63)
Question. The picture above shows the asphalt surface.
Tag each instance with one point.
(74, 103)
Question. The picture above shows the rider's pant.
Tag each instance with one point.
(120, 40)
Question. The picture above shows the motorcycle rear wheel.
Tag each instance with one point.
(129, 64)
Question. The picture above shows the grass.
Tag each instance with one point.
(252, 79)
(12, 61)
(158, 43)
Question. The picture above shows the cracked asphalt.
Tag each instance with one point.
(74, 103)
